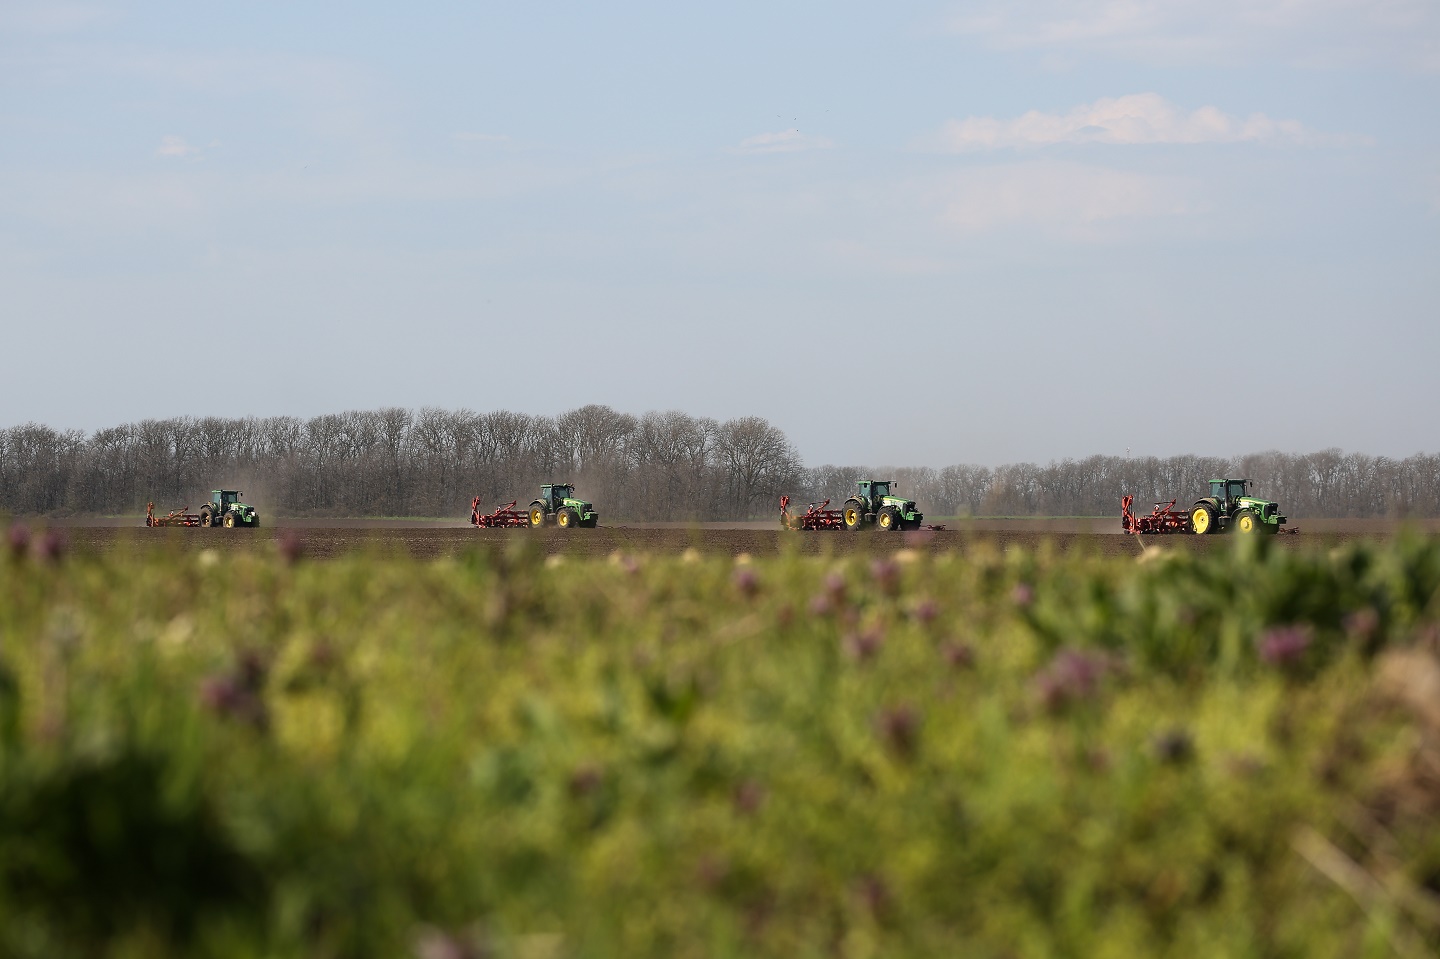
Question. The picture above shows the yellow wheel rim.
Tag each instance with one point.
(536, 517)
(1200, 520)
(1247, 524)
(852, 517)
(885, 520)
(564, 519)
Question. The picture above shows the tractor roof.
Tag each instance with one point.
(235, 491)
(1230, 479)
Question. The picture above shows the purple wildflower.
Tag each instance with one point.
(899, 727)
(1072, 676)
(1284, 646)
(50, 546)
(958, 655)
(746, 581)
(886, 573)
(18, 539)
(863, 646)
(291, 545)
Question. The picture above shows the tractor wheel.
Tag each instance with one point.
(204, 517)
(854, 515)
(1248, 521)
(255, 523)
(567, 518)
(229, 521)
(887, 520)
(1202, 519)
(537, 515)
(590, 523)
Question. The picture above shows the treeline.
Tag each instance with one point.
(659, 466)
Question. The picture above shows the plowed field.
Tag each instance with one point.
(430, 541)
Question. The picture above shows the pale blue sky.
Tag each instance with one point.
(922, 233)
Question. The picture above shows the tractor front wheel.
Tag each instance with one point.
(567, 518)
(1248, 521)
(229, 521)
(537, 515)
(887, 519)
(1202, 519)
(854, 515)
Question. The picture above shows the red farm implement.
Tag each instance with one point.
(1164, 518)
(176, 517)
(504, 517)
(816, 516)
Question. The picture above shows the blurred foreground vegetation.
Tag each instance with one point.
(979, 754)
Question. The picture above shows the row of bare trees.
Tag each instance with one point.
(1330, 483)
(659, 466)
(397, 462)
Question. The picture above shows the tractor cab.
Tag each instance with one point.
(1227, 492)
(874, 490)
(555, 494)
(223, 499)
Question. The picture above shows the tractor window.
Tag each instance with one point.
(564, 492)
(228, 498)
(880, 489)
(1237, 489)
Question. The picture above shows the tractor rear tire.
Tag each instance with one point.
(537, 515)
(1202, 519)
(888, 519)
(1248, 521)
(567, 518)
(854, 514)
(205, 518)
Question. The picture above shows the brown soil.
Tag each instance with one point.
(430, 542)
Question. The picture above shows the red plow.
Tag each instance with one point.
(176, 517)
(1164, 518)
(504, 517)
(816, 516)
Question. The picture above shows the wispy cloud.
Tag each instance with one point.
(1140, 118)
(1312, 32)
(1061, 199)
(785, 141)
(175, 147)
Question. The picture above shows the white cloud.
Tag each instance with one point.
(785, 141)
(173, 146)
(1064, 199)
(1311, 32)
(1139, 118)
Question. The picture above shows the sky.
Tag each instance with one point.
(924, 233)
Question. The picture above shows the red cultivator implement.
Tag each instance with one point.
(816, 516)
(1164, 518)
(504, 517)
(176, 517)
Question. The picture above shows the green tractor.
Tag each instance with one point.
(225, 509)
(557, 504)
(874, 505)
(1228, 507)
